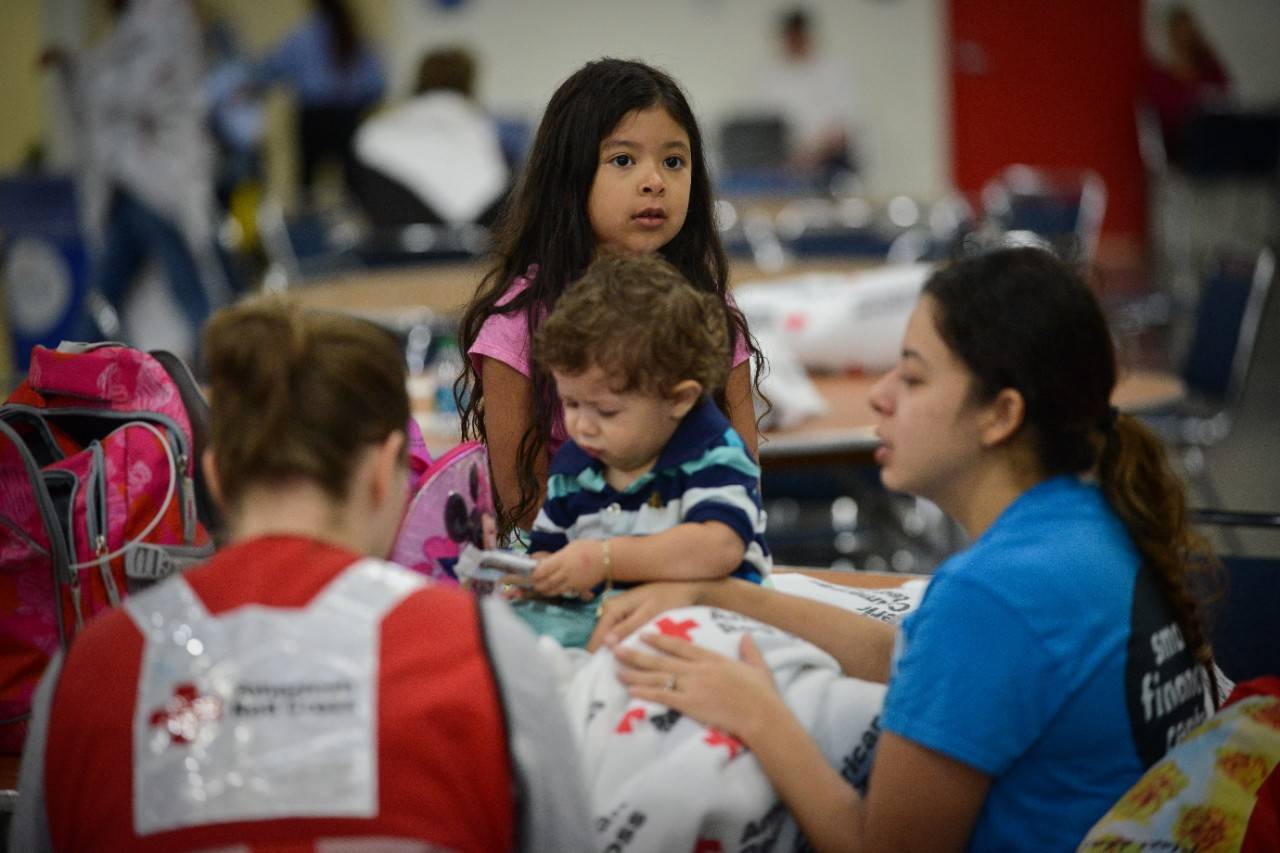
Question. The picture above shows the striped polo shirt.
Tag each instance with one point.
(705, 473)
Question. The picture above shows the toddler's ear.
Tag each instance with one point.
(683, 397)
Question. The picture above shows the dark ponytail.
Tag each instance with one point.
(1145, 492)
(1022, 319)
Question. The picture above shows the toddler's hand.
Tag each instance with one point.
(572, 571)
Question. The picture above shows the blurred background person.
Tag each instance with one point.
(1192, 78)
(336, 76)
(813, 92)
(237, 123)
(145, 160)
(236, 114)
(437, 157)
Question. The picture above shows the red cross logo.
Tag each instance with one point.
(182, 715)
(795, 322)
(676, 629)
(715, 737)
(624, 727)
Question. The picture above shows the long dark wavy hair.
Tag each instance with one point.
(1022, 319)
(546, 223)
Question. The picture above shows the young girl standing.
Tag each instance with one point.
(617, 162)
(1052, 661)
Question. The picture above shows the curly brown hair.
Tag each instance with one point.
(638, 319)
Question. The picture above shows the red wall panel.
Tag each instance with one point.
(1049, 83)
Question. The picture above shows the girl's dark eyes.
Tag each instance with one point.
(673, 162)
(621, 160)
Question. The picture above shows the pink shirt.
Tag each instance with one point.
(505, 338)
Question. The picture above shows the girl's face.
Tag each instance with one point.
(929, 425)
(640, 194)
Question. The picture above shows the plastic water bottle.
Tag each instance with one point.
(446, 368)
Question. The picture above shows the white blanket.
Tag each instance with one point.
(660, 781)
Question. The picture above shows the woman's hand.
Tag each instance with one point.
(572, 571)
(735, 696)
(623, 614)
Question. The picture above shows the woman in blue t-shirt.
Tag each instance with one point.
(1049, 663)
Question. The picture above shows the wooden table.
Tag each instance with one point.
(847, 430)
(844, 434)
(445, 288)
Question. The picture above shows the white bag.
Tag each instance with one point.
(837, 321)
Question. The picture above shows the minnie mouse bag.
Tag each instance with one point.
(453, 507)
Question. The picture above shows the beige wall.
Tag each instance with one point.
(717, 49)
(897, 53)
(22, 95)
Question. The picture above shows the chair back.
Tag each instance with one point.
(1228, 316)
(305, 244)
(1063, 206)
(754, 142)
(1243, 618)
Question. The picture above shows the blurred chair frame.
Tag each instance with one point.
(1020, 195)
(1228, 316)
(1242, 613)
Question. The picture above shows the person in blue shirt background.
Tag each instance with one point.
(336, 78)
(1049, 663)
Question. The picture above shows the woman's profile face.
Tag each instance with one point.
(927, 422)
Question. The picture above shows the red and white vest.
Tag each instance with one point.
(288, 693)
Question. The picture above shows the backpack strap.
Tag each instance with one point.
(59, 558)
(201, 433)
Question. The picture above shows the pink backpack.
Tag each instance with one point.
(98, 497)
(452, 506)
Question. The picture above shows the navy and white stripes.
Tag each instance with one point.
(705, 473)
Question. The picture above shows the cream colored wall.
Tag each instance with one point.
(22, 95)
(896, 51)
(716, 49)
(21, 105)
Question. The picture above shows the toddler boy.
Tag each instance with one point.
(654, 484)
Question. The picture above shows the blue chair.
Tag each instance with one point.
(1065, 207)
(45, 260)
(754, 154)
(1227, 319)
(305, 245)
(1243, 617)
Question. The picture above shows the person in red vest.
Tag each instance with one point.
(295, 691)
